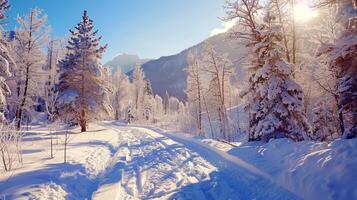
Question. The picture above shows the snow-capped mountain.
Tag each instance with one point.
(167, 73)
(125, 61)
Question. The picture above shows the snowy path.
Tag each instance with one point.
(128, 162)
(169, 166)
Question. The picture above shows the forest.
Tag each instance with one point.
(292, 90)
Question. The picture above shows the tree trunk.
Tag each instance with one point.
(116, 114)
(199, 105)
(293, 35)
(51, 147)
(83, 127)
(209, 118)
(340, 117)
(65, 147)
(83, 121)
(29, 48)
(3, 159)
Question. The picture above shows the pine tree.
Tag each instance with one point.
(148, 89)
(5, 61)
(82, 91)
(149, 101)
(276, 109)
(275, 101)
(341, 57)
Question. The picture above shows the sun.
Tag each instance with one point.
(304, 13)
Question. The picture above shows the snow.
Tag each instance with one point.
(117, 161)
(312, 170)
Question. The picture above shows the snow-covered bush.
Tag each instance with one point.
(10, 145)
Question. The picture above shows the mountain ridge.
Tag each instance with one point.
(167, 74)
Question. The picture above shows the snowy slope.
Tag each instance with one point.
(311, 169)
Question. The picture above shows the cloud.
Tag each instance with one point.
(225, 27)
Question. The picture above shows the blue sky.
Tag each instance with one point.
(148, 28)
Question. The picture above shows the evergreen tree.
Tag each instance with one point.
(82, 91)
(149, 101)
(148, 88)
(276, 107)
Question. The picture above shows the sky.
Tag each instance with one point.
(147, 28)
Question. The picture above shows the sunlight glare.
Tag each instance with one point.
(304, 13)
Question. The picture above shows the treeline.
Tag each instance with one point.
(303, 78)
(302, 82)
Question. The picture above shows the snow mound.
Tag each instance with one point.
(309, 169)
(49, 191)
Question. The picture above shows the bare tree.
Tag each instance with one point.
(67, 136)
(194, 89)
(219, 70)
(30, 38)
(340, 56)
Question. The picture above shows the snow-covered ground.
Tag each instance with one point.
(116, 161)
(310, 169)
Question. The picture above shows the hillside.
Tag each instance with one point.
(125, 61)
(167, 73)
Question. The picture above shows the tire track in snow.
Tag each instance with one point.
(171, 166)
(158, 166)
(232, 179)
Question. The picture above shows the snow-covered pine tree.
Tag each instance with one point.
(276, 107)
(325, 121)
(148, 101)
(30, 40)
(194, 90)
(341, 57)
(82, 91)
(5, 61)
(275, 104)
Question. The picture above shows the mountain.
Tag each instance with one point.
(125, 61)
(167, 73)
